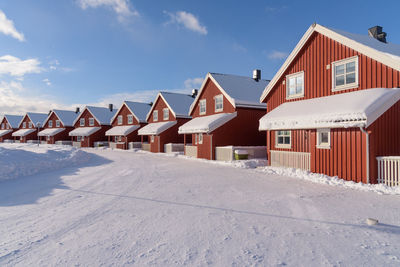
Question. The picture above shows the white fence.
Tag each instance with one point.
(191, 151)
(298, 160)
(389, 170)
(146, 146)
(226, 153)
(171, 148)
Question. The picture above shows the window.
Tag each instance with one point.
(130, 119)
(119, 119)
(8, 126)
(219, 103)
(91, 122)
(295, 85)
(283, 139)
(155, 115)
(82, 122)
(30, 124)
(323, 138)
(50, 124)
(345, 74)
(79, 138)
(152, 139)
(195, 139)
(200, 138)
(115, 138)
(58, 123)
(165, 114)
(24, 125)
(202, 106)
(2, 126)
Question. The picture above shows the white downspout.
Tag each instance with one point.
(367, 147)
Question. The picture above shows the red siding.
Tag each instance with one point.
(32, 136)
(159, 106)
(95, 137)
(124, 111)
(63, 136)
(168, 136)
(6, 136)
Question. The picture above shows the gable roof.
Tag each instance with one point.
(139, 110)
(386, 53)
(14, 120)
(67, 117)
(241, 91)
(35, 118)
(179, 104)
(101, 115)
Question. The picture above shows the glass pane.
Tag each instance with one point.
(351, 67)
(279, 132)
(292, 86)
(324, 138)
(287, 140)
(287, 133)
(350, 78)
(339, 80)
(299, 85)
(339, 69)
(280, 140)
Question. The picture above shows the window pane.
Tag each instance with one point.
(324, 138)
(350, 78)
(339, 69)
(287, 140)
(292, 86)
(279, 132)
(299, 85)
(339, 80)
(351, 66)
(280, 140)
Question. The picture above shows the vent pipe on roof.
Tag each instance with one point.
(194, 93)
(110, 107)
(77, 110)
(49, 112)
(151, 104)
(377, 33)
(256, 75)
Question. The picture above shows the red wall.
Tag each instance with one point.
(95, 137)
(63, 136)
(168, 136)
(6, 136)
(160, 105)
(32, 136)
(124, 111)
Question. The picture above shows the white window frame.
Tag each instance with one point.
(219, 98)
(2, 126)
(294, 76)
(30, 124)
(277, 145)
(24, 124)
(91, 121)
(152, 139)
(120, 119)
(165, 114)
(200, 138)
(58, 123)
(155, 115)
(202, 106)
(319, 141)
(195, 139)
(79, 138)
(50, 124)
(82, 122)
(349, 85)
(130, 119)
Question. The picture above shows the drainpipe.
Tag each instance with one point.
(367, 147)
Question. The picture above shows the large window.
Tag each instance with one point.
(91, 121)
(165, 114)
(219, 103)
(202, 106)
(295, 85)
(155, 115)
(323, 138)
(130, 119)
(283, 139)
(345, 74)
(50, 124)
(82, 122)
(119, 119)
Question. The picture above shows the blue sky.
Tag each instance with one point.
(59, 54)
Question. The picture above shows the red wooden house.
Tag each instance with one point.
(28, 127)
(91, 126)
(127, 120)
(58, 125)
(225, 112)
(168, 112)
(9, 124)
(333, 105)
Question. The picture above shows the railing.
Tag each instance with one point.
(146, 146)
(76, 144)
(389, 170)
(191, 151)
(298, 160)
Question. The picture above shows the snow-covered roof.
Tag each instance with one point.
(84, 131)
(121, 130)
(36, 118)
(50, 131)
(101, 115)
(138, 109)
(386, 53)
(4, 132)
(14, 120)
(179, 104)
(67, 117)
(156, 128)
(355, 109)
(206, 124)
(23, 132)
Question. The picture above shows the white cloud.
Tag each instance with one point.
(121, 7)
(187, 20)
(7, 28)
(16, 67)
(277, 55)
(239, 48)
(193, 83)
(47, 81)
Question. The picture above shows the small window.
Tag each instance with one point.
(323, 138)
(130, 119)
(58, 123)
(195, 139)
(8, 126)
(82, 122)
(200, 138)
(115, 138)
(120, 138)
(165, 114)
(202, 106)
(283, 139)
(119, 119)
(24, 125)
(79, 138)
(155, 115)
(2, 126)
(50, 124)
(30, 124)
(91, 121)
(295, 85)
(219, 103)
(152, 139)
(345, 74)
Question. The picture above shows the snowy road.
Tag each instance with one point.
(125, 208)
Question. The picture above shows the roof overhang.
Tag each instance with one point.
(84, 131)
(122, 130)
(156, 128)
(206, 124)
(4, 132)
(51, 131)
(23, 132)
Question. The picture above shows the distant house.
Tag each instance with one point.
(91, 126)
(8, 125)
(333, 106)
(130, 117)
(28, 127)
(169, 111)
(225, 113)
(58, 125)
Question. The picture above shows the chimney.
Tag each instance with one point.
(151, 104)
(110, 107)
(256, 75)
(77, 110)
(194, 93)
(49, 113)
(377, 33)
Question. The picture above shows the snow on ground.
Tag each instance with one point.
(123, 208)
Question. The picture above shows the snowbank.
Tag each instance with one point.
(18, 160)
